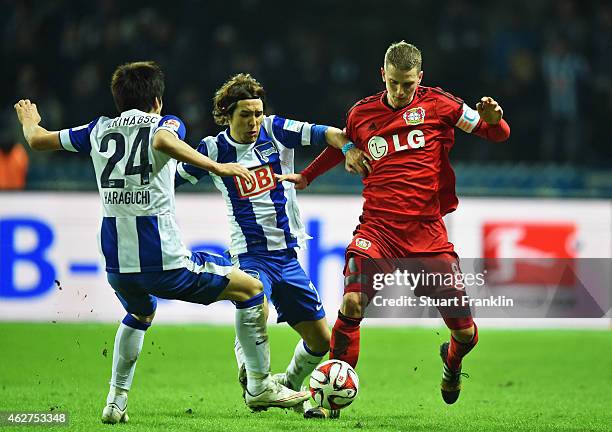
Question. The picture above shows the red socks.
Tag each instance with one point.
(458, 350)
(345, 343)
(345, 339)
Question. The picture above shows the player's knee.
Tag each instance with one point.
(243, 286)
(319, 346)
(352, 305)
(319, 341)
(146, 319)
(253, 287)
(464, 335)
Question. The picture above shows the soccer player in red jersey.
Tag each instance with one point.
(402, 137)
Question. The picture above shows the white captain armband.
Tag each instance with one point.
(468, 120)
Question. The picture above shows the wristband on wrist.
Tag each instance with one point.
(346, 147)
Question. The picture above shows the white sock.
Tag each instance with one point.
(238, 353)
(128, 343)
(118, 396)
(252, 333)
(302, 364)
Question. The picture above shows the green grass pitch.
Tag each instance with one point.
(186, 380)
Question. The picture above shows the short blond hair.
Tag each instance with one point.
(237, 88)
(403, 56)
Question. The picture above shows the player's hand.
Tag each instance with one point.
(489, 110)
(234, 170)
(27, 112)
(298, 180)
(358, 162)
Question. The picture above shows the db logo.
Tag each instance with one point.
(363, 243)
(541, 252)
(264, 181)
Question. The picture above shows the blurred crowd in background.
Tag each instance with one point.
(548, 63)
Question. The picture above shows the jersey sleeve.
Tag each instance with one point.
(327, 159)
(172, 124)
(189, 173)
(454, 112)
(493, 132)
(292, 133)
(78, 139)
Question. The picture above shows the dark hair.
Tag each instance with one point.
(237, 88)
(136, 85)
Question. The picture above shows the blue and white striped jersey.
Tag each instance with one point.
(136, 183)
(263, 216)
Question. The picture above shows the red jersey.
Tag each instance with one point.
(411, 175)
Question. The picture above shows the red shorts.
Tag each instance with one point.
(418, 245)
(384, 238)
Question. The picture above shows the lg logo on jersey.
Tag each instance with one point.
(379, 147)
(264, 181)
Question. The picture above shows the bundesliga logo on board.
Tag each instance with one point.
(414, 116)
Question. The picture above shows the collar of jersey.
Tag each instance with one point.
(229, 139)
(383, 101)
(134, 111)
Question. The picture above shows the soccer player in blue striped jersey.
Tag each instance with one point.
(265, 223)
(134, 157)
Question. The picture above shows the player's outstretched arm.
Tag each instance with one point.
(356, 160)
(335, 137)
(327, 159)
(37, 136)
(169, 144)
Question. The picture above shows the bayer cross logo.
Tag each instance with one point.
(378, 147)
(363, 243)
(414, 116)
